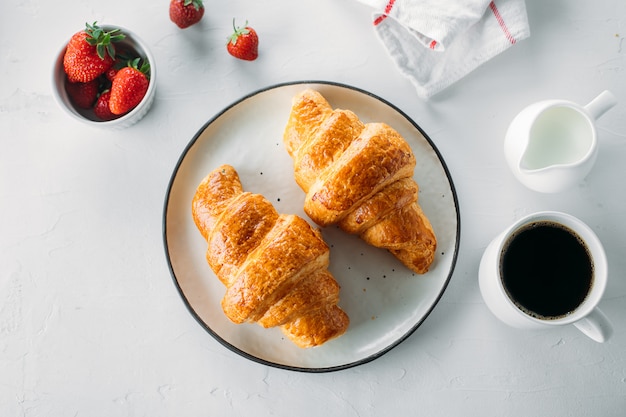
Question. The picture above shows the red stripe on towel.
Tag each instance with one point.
(379, 19)
(382, 17)
(496, 13)
(389, 6)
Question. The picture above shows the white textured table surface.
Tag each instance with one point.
(91, 323)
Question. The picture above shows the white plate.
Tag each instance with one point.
(385, 301)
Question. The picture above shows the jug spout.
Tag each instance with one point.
(530, 169)
(551, 178)
(560, 136)
(544, 170)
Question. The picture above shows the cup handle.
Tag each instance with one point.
(599, 105)
(596, 326)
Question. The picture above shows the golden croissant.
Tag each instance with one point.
(274, 266)
(359, 176)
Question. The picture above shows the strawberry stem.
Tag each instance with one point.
(197, 4)
(102, 40)
(144, 68)
(238, 31)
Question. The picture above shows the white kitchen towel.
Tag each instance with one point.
(437, 42)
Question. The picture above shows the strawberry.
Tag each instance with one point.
(101, 109)
(82, 95)
(243, 43)
(129, 87)
(186, 12)
(90, 53)
(110, 73)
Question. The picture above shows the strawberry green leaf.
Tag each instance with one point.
(197, 4)
(238, 31)
(101, 50)
(103, 40)
(111, 50)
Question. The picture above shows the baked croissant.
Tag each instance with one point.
(274, 266)
(359, 176)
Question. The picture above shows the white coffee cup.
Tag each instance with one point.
(518, 302)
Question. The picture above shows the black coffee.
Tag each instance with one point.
(546, 269)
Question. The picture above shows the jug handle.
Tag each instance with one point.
(599, 105)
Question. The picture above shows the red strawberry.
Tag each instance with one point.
(129, 87)
(110, 73)
(82, 95)
(90, 53)
(186, 12)
(243, 43)
(101, 109)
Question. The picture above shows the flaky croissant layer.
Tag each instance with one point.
(359, 176)
(274, 266)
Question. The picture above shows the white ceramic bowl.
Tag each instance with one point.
(131, 43)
